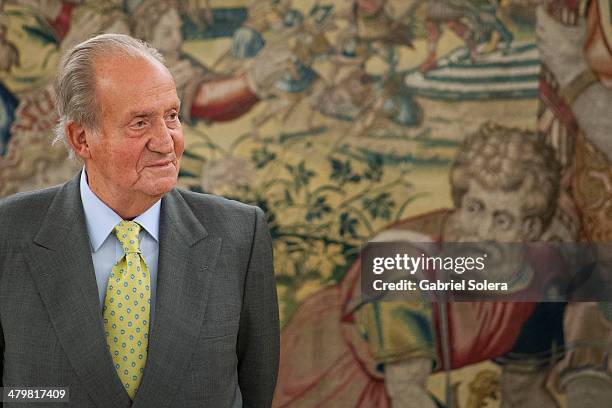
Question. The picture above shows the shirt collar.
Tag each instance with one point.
(101, 219)
(149, 220)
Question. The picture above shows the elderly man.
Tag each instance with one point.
(120, 286)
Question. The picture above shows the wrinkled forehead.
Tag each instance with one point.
(124, 80)
(119, 63)
(497, 199)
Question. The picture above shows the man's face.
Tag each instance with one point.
(138, 148)
(487, 218)
(493, 215)
(167, 37)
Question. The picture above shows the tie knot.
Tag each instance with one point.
(127, 234)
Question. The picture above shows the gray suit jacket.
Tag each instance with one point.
(215, 339)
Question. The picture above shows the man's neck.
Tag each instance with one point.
(127, 205)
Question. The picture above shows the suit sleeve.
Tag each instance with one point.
(2, 269)
(1, 358)
(3, 255)
(259, 334)
(1, 361)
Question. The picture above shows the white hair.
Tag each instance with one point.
(75, 87)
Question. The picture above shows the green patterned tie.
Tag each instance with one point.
(126, 309)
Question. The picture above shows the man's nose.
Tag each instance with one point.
(161, 140)
(485, 229)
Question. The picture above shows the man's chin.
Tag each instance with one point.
(161, 186)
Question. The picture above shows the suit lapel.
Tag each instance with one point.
(60, 263)
(187, 254)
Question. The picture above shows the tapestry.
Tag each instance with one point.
(349, 121)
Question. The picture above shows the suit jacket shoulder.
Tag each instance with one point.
(21, 214)
(227, 218)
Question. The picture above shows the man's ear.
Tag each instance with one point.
(533, 228)
(77, 137)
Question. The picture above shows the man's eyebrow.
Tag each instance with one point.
(150, 113)
(141, 114)
(176, 106)
(503, 212)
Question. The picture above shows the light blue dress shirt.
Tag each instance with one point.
(106, 250)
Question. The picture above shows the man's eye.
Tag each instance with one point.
(173, 120)
(503, 222)
(139, 124)
(474, 207)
